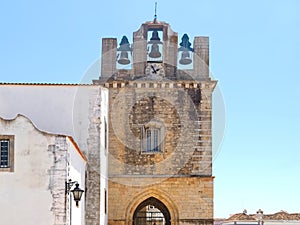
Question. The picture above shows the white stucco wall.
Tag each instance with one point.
(58, 109)
(76, 172)
(103, 155)
(61, 109)
(48, 107)
(35, 190)
(25, 195)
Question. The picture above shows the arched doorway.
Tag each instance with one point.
(151, 212)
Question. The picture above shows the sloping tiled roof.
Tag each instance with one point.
(241, 217)
(282, 215)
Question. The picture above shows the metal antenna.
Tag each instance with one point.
(155, 15)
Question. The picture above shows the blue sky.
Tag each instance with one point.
(254, 53)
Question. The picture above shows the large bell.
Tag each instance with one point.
(123, 51)
(185, 50)
(185, 58)
(124, 60)
(155, 51)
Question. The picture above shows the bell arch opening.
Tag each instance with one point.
(151, 212)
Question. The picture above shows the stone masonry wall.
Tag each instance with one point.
(184, 109)
(182, 171)
(92, 214)
(191, 199)
(58, 177)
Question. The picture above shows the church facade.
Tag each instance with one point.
(145, 127)
(159, 128)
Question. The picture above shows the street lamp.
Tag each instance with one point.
(77, 192)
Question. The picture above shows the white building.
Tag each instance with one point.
(35, 166)
(73, 112)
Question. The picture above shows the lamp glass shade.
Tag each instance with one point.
(77, 193)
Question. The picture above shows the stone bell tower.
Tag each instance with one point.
(159, 129)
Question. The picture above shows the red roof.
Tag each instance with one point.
(282, 215)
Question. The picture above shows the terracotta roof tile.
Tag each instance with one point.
(282, 215)
(241, 217)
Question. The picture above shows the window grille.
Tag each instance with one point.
(7, 153)
(4, 153)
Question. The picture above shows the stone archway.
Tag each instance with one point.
(160, 200)
(151, 212)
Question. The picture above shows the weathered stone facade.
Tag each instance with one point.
(172, 110)
(92, 214)
(182, 171)
(189, 199)
(184, 110)
(58, 177)
(96, 152)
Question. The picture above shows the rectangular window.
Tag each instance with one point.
(105, 134)
(105, 201)
(152, 140)
(6, 153)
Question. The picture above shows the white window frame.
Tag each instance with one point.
(152, 138)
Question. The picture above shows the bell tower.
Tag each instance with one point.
(155, 42)
(159, 127)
